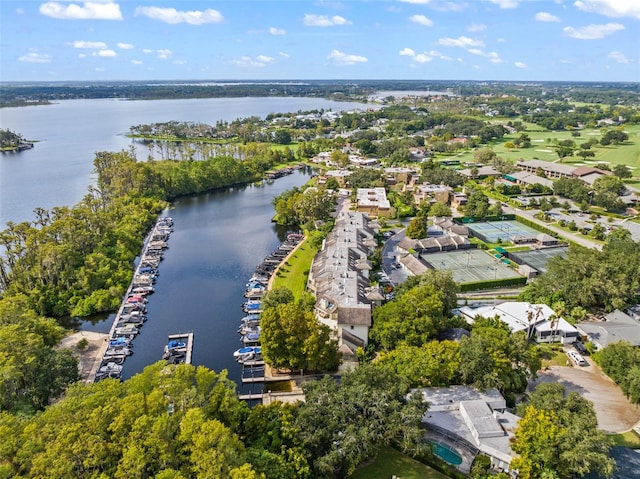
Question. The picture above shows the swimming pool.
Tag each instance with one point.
(446, 454)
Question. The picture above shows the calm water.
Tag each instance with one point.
(218, 240)
(58, 170)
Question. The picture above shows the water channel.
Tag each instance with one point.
(219, 237)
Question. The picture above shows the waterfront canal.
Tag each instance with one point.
(218, 240)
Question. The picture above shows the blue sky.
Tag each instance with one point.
(519, 40)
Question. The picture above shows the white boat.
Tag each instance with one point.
(247, 350)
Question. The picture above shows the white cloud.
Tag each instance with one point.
(462, 42)
(276, 31)
(505, 4)
(407, 52)
(283, 55)
(421, 20)
(105, 53)
(418, 2)
(520, 64)
(312, 20)
(82, 55)
(341, 58)
(147, 50)
(611, 8)
(173, 16)
(136, 62)
(19, 11)
(164, 54)
(592, 32)
(35, 57)
(546, 17)
(257, 62)
(86, 11)
(88, 45)
(422, 58)
(125, 46)
(493, 57)
(618, 56)
(180, 62)
(477, 27)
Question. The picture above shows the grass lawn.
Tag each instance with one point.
(628, 439)
(391, 462)
(541, 148)
(552, 355)
(293, 273)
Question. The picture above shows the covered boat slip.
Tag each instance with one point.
(179, 348)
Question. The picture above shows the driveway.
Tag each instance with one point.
(613, 410)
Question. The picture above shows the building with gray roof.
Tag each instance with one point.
(617, 326)
(339, 279)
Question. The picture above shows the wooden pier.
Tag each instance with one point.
(250, 397)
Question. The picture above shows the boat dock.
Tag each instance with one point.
(179, 348)
(131, 314)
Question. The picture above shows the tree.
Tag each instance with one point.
(292, 338)
(282, 137)
(484, 155)
(373, 412)
(439, 209)
(558, 435)
(433, 364)
(621, 171)
(477, 205)
(417, 228)
(413, 317)
(493, 357)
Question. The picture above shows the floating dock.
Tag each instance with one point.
(187, 339)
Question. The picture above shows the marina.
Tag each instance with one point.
(250, 356)
(133, 311)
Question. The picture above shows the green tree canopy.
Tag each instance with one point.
(558, 434)
(342, 423)
(292, 338)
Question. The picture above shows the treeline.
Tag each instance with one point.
(588, 278)
(178, 422)
(621, 362)
(77, 260)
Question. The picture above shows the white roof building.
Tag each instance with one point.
(546, 325)
(471, 421)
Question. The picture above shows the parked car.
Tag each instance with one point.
(578, 346)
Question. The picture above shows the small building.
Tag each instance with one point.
(481, 172)
(544, 239)
(340, 175)
(373, 201)
(537, 320)
(459, 199)
(399, 175)
(431, 193)
(617, 326)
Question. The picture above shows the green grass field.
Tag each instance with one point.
(293, 273)
(628, 439)
(542, 149)
(391, 462)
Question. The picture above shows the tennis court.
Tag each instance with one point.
(470, 266)
(505, 231)
(538, 258)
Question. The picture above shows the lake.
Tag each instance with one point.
(58, 170)
(219, 237)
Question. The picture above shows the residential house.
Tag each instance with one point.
(617, 326)
(469, 422)
(539, 321)
(431, 193)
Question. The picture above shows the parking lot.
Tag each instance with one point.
(613, 410)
